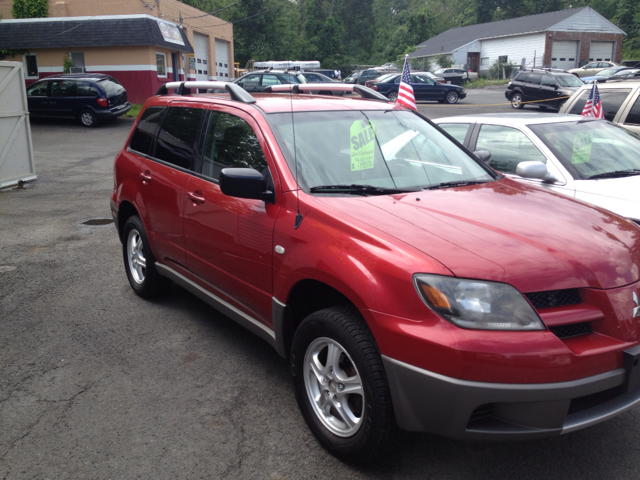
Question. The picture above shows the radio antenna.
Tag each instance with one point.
(295, 157)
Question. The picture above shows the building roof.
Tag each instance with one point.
(96, 31)
(454, 38)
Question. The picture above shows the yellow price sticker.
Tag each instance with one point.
(363, 145)
(582, 143)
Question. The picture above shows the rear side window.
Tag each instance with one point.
(522, 77)
(176, 142)
(611, 101)
(456, 130)
(534, 78)
(85, 89)
(111, 87)
(142, 139)
(231, 142)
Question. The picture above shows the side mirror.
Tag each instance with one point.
(245, 183)
(537, 170)
(483, 155)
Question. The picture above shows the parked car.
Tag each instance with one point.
(543, 88)
(593, 161)
(424, 88)
(381, 78)
(327, 72)
(605, 74)
(631, 63)
(90, 98)
(620, 102)
(467, 75)
(362, 76)
(626, 74)
(258, 80)
(315, 77)
(591, 68)
(408, 284)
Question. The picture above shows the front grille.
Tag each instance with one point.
(571, 330)
(554, 298)
(483, 411)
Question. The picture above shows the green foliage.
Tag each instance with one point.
(67, 63)
(30, 8)
(501, 69)
(445, 61)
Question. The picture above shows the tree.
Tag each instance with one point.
(30, 8)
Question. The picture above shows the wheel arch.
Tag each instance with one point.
(125, 211)
(305, 297)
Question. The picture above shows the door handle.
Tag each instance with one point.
(196, 197)
(145, 176)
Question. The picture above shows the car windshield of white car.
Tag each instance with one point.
(592, 149)
(392, 151)
(569, 81)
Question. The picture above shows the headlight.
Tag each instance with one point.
(477, 304)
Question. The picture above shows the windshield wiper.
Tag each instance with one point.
(455, 183)
(618, 173)
(356, 189)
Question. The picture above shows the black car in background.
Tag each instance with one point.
(543, 88)
(424, 88)
(89, 97)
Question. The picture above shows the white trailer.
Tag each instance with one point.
(290, 64)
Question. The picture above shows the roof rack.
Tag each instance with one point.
(365, 92)
(236, 92)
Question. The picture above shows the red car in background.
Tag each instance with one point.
(410, 286)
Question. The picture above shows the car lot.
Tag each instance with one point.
(97, 382)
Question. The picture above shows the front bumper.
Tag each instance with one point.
(429, 402)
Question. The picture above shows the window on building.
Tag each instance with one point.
(161, 63)
(77, 58)
(484, 61)
(30, 66)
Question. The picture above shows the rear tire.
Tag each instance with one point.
(393, 96)
(516, 101)
(88, 118)
(341, 385)
(139, 261)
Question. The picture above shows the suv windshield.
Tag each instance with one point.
(592, 148)
(569, 81)
(384, 150)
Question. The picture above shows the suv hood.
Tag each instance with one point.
(508, 232)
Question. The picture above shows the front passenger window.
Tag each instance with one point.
(508, 147)
(231, 142)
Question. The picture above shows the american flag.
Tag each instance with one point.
(405, 92)
(593, 107)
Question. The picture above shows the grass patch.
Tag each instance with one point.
(484, 82)
(134, 111)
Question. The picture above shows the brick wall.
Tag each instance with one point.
(584, 39)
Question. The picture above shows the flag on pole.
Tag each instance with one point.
(405, 92)
(593, 107)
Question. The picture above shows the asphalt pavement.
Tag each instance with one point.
(98, 383)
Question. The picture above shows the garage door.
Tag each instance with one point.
(222, 60)
(564, 54)
(201, 51)
(601, 52)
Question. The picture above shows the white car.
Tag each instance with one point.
(592, 68)
(591, 160)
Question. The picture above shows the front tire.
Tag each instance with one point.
(139, 261)
(341, 386)
(517, 101)
(451, 97)
(88, 119)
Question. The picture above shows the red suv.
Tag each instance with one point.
(410, 285)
